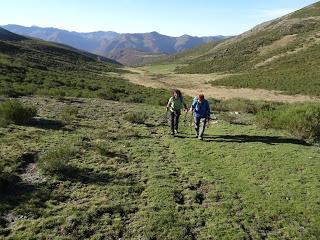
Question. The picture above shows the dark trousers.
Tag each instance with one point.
(200, 125)
(175, 120)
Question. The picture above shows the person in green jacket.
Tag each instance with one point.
(175, 105)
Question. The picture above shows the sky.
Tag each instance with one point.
(169, 17)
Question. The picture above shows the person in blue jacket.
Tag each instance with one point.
(201, 112)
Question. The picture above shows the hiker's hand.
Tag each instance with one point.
(186, 110)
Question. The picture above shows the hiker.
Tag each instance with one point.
(201, 112)
(175, 105)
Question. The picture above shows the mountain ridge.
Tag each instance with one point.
(109, 43)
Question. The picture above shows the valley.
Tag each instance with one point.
(164, 77)
(86, 150)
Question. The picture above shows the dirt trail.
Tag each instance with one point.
(192, 84)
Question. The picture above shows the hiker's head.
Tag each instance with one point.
(200, 98)
(176, 93)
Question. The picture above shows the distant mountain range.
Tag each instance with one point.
(129, 49)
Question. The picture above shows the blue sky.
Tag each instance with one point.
(170, 17)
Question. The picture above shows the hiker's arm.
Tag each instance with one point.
(193, 105)
(168, 104)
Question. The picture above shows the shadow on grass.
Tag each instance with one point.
(47, 124)
(272, 140)
(26, 198)
(84, 175)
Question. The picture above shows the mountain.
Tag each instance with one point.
(84, 41)
(282, 54)
(112, 44)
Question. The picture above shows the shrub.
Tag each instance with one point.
(136, 117)
(57, 160)
(69, 114)
(301, 120)
(14, 111)
(243, 105)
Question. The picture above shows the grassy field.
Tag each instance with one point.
(134, 181)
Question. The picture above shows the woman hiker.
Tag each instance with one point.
(175, 105)
(201, 112)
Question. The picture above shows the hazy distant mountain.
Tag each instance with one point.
(111, 44)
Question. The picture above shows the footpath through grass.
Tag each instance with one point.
(134, 181)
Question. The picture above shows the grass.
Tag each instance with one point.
(135, 181)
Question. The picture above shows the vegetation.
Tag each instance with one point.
(34, 67)
(242, 105)
(57, 160)
(136, 117)
(289, 74)
(279, 55)
(14, 112)
(301, 120)
(241, 182)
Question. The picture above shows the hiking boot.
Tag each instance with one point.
(200, 138)
(172, 133)
(175, 131)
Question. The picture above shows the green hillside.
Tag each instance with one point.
(32, 66)
(282, 54)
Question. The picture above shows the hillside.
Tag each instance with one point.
(115, 45)
(31, 66)
(282, 54)
(132, 57)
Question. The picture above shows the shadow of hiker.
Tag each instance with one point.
(272, 140)
(46, 124)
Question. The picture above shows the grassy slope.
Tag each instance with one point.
(294, 72)
(240, 183)
(30, 66)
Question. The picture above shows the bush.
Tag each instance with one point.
(14, 111)
(57, 160)
(136, 117)
(301, 120)
(69, 114)
(243, 105)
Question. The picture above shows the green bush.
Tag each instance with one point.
(136, 117)
(57, 160)
(68, 114)
(15, 112)
(243, 105)
(301, 120)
